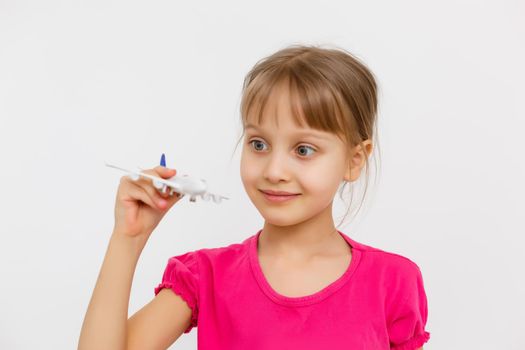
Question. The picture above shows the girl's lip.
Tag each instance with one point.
(278, 193)
(279, 198)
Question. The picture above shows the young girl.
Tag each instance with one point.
(297, 283)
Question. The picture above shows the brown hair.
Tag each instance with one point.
(334, 90)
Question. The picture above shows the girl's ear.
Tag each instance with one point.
(358, 157)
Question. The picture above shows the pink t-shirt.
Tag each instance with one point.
(378, 303)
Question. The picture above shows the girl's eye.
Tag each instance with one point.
(302, 154)
(252, 141)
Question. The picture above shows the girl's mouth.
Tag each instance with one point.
(279, 198)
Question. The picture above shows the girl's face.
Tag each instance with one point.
(290, 158)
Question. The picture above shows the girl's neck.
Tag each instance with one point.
(315, 237)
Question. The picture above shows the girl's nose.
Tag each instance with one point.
(277, 167)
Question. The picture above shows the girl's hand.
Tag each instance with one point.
(139, 206)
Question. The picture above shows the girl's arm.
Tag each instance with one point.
(105, 323)
(106, 326)
(139, 207)
(160, 323)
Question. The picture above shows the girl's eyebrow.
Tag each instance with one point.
(305, 132)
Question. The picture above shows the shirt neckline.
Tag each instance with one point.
(306, 299)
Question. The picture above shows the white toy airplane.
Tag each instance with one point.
(181, 184)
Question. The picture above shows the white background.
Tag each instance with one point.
(84, 82)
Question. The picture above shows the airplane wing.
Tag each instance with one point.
(156, 180)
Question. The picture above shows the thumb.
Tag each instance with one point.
(166, 172)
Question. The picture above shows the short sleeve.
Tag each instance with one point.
(181, 275)
(406, 328)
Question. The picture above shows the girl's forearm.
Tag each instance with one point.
(105, 322)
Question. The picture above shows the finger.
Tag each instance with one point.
(173, 199)
(130, 190)
(153, 198)
(164, 173)
(153, 193)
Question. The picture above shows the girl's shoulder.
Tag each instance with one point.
(385, 261)
(223, 253)
(398, 282)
